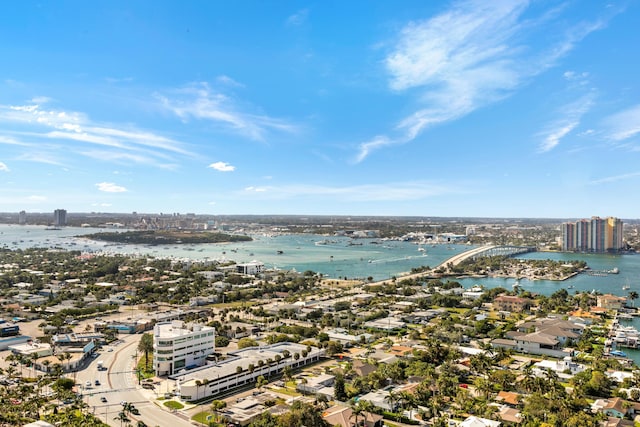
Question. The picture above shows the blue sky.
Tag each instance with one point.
(463, 108)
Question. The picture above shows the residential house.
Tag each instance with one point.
(511, 303)
(615, 407)
(479, 422)
(322, 384)
(343, 416)
(610, 302)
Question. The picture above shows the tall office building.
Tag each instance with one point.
(597, 235)
(22, 218)
(59, 218)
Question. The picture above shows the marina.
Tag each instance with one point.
(340, 256)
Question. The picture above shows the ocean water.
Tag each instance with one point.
(336, 257)
(332, 256)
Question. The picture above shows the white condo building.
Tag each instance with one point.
(178, 346)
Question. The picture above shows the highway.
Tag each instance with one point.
(118, 383)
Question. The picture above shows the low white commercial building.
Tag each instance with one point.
(243, 367)
(178, 346)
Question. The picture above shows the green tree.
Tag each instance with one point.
(146, 346)
(339, 388)
(247, 342)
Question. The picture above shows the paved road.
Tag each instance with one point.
(118, 383)
(454, 260)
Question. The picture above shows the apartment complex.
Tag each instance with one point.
(178, 346)
(597, 235)
(59, 217)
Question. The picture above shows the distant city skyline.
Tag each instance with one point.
(503, 109)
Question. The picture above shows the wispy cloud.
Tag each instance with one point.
(472, 55)
(228, 81)
(298, 18)
(624, 124)
(124, 141)
(222, 167)
(4, 167)
(404, 191)
(560, 128)
(114, 80)
(616, 178)
(110, 187)
(201, 102)
(40, 157)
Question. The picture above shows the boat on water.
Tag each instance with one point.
(618, 353)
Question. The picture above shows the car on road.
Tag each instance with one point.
(103, 399)
(97, 382)
(87, 384)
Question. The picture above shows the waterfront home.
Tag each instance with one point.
(610, 302)
(511, 303)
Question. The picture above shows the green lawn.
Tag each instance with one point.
(172, 404)
(201, 417)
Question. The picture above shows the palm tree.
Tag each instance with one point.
(198, 384)
(356, 410)
(122, 417)
(146, 346)
(392, 400)
(633, 295)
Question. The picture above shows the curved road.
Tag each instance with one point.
(454, 260)
(118, 383)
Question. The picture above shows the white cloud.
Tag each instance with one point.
(4, 167)
(222, 167)
(468, 57)
(78, 127)
(375, 143)
(200, 102)
(361, 193)
(616, 178)
(110, 187)
(228, 81)
(102, 205)
(298, 18)
(41, 100)
(560, 128)
(624, 124)
(40, 157)
(35, 198)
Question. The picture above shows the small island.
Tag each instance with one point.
(504, 266)
(157, 237)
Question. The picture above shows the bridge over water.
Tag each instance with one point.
(487, 250)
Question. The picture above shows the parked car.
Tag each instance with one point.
(103, 399)
(97, 382)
